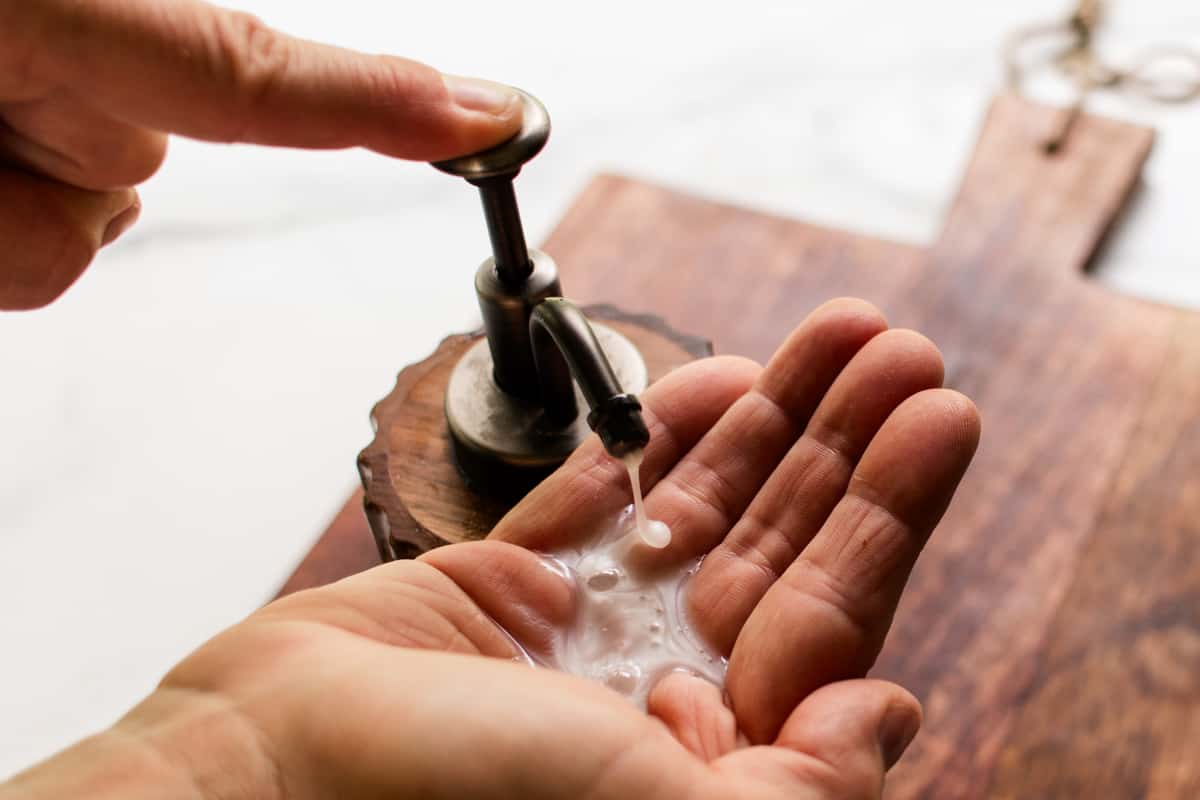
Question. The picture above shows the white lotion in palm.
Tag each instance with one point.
(631, 626)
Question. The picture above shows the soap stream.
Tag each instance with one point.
(653, 532)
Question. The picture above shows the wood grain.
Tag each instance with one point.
(1060, 369)
(415, 497)
(1052, 627)
(1114, 708)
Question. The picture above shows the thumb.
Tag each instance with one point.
(838, 743)
(211, 73)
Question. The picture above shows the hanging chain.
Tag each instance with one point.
(1087, 71)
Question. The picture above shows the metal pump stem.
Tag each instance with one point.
(511, 427)
(504, 229)
(513, 280)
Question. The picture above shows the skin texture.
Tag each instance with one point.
(89, 90)
(811, 483)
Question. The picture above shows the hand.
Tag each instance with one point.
(89, 89)
(812, 485)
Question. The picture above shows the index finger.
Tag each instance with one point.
(191, 68)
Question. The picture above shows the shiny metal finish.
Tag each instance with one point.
(492, 171)
(558, 329)
(506, 445)
(565, 346)
(507, 157)
(505, 311)
(511, 405)
(505, 231)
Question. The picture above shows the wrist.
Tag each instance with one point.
(176, 743)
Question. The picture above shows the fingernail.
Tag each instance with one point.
(897, 729)
(121, 223)
(475, 94)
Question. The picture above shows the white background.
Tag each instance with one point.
(179, 428)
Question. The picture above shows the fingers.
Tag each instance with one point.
(799, 495)
(826, 618)
(845, 721)
(695, 714)
(591, 487)
(706, 493)
(466, 598)
(50, 232)
(63, 136)
(513, 586)
(220, 75)
(837, 745)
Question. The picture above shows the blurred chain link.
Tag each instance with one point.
(1168, 73)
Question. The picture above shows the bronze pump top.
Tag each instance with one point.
(493, 171)
(514, 417)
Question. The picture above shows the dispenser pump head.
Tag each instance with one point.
(492, 171)
(514, 417)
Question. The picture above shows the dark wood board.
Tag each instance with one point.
(1052, 627)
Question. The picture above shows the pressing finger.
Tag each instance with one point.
(826, 618)
(805, 487)
(50, 232)
(209, 73)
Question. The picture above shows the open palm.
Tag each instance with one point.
(811, 485)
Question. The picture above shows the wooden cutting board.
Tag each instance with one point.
(1052, 627)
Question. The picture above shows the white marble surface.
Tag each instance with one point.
(176, 431)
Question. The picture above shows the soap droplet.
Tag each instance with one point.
(604, 580)
(656, 533)
(622, 678)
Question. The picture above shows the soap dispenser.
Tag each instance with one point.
(470, 430)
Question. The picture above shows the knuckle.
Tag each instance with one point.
(843, 603)
(390, 80)
(253, 58)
